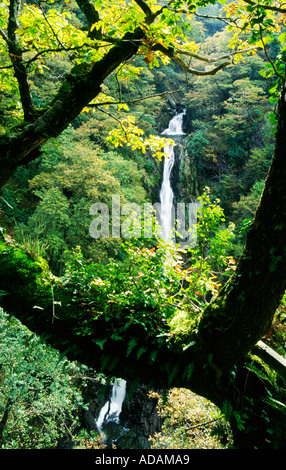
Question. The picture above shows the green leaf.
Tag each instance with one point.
(282, 37)
(273, 88)
(100, 343)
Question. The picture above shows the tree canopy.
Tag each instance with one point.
(85, 33)
(165, 320)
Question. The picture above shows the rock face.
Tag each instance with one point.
(140, 415)
(139, 418)
(184, 180)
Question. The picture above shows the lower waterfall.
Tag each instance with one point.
(110, 412)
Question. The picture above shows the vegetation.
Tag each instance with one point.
(41, 392)
(191, 422)
(77, 128)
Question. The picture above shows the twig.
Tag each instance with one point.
(265, 7)
(283, 77)
(53, 301)
(201, 424)
(52, 29)
(156, 95)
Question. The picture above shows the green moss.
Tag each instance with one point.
(183, 325)
(25, 278)
(256, 365)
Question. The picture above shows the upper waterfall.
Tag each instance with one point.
(175, 128)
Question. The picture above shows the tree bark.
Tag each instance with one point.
(243, 311)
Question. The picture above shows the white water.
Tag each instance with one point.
(166, 193)
(112, 408)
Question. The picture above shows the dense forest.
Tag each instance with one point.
(87, 89)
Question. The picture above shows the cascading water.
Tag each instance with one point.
(174, 129)
(110, 412)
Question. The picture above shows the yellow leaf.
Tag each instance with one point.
(149, 56)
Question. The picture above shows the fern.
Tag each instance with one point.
(276, 404)
(131, 345)
(172, 374)
(258, 367)
(141, 351)
(188, 371)
(226, 409)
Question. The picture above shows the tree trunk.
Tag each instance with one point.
(243, 311)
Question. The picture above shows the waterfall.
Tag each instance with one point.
(112, 408)
(174, 129)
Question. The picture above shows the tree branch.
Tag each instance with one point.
(80, 87)
(283, 77)
(150, 16)
(219, 18)
(265, 7)
(49, 50)
(145, 8)
(92, 17)
(214, 59)
(15, 53)
(169, 52)
(50, 26)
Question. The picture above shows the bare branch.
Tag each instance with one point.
(219, 18)
(116, 119)
(265, 7)
(205, 423)
(4, 35)
(169, 52)
(138, 100)
(50, 26)
(214, 59)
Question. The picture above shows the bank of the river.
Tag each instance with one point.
(188, 422)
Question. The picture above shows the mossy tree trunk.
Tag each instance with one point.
(243, 311)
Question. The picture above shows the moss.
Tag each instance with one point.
(183, 326)
(257, 366)
(25, 278)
